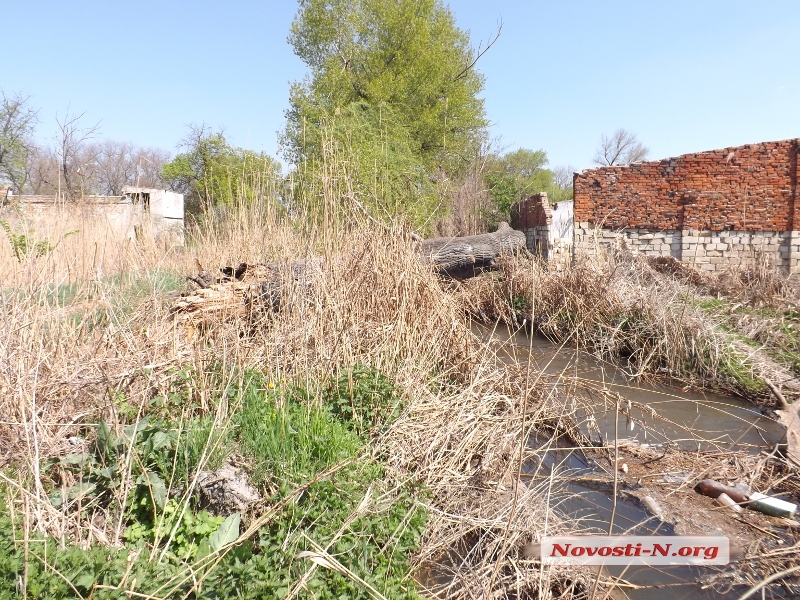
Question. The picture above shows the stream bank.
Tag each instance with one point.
(664, 440)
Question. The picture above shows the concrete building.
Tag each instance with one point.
(140, 213)
(160, 210)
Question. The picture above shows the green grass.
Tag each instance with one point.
(781, 342)
(287, 439)
(371, 526)
(120, 287)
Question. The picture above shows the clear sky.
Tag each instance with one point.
(684, 76)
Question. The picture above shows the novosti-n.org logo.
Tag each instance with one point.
(635, 550)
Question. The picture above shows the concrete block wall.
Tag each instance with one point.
(126, 216)
(685, 206)
(706, 250)
(644, 241)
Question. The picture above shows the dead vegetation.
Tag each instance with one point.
(79, 347)
(657, 317)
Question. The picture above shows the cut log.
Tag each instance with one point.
(236, 292)
(470, 253)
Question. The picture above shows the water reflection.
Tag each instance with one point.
(691, 420)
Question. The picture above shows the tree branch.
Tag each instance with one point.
(469, 67)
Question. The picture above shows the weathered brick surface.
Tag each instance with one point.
(716, 209)
(532, 212)
(745, 188)
(543, 229)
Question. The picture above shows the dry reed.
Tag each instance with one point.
(74, 342)
(468, 417)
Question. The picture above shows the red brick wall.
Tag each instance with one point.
(531, 212)
(746, 188)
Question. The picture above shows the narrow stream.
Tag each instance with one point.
(689, 420)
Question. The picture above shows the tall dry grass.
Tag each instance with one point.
(649, 316)
(91, 323)
(77, 337)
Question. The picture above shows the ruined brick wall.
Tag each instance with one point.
(685, 206)
(533, 216)
(547, 228)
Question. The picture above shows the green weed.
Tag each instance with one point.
(287, 438)
(370, 528)
(24, 243)
(363, 398)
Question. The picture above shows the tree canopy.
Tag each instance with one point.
(522, 173)
(17, 121)
(392, 94)
(407, 55)
(213, 171)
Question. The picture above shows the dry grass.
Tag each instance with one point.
(468, 417)
(66, 363)
(646, 315)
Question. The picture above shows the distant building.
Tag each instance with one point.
(162, 208)
(139, 213)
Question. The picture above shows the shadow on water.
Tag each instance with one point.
(660, 415)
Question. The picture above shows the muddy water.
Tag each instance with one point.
(689, 420)
(658, 415)
(589, 505)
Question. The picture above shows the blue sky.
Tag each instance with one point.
(684, 76)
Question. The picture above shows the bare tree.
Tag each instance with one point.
(76, 164)
(149, 163)
(102, 168)
(109, 166)
(42, 170)
(621, 148)
(115, 167)
(17, 121)
(562, 176)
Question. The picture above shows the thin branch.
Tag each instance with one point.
(469, 67)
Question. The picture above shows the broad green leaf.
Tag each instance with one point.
(158, 488)
(75, 459)
(227, 533)
(85, 581)
(161, 440)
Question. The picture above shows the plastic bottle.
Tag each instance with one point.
(772, 506)
(726, 500)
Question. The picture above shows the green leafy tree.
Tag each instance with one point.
(393, 85)
(17, 121)
(210, 171)
(516, 175)
(522, 173)
(367, 162)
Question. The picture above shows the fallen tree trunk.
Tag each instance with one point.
(472, 252)
(234, 292)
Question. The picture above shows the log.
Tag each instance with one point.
(234, 292)
(457, 255)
